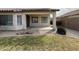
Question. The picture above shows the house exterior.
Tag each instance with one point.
(18, 18)
(70, 20)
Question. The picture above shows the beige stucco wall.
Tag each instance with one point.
(39, 24)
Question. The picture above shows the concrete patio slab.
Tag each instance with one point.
(72, 33)
(34, 32)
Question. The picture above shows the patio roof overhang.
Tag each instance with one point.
(22, 10)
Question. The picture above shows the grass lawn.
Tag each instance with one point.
(38, 43)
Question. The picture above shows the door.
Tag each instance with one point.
(28, 20)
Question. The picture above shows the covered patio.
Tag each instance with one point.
(28, 32)
(17, 19)
(37, 20)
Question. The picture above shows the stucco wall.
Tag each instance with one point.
(39, 24)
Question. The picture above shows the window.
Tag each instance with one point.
(34, 19)
(6, 20)
(44, 19)
(19, 20)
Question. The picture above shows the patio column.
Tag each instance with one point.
(24, 21)
(54, 21)
(15, 21)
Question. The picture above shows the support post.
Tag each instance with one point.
(15, 21)
(24, 21)
(54, 21)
